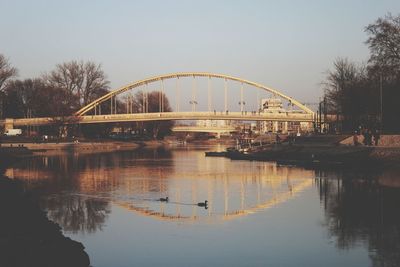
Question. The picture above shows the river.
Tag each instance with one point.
(258, 213)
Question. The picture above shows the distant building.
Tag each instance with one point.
(218, 127)
(212, 123)
(275, 105)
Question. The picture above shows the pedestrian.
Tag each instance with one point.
(355, 138)
(369, 137)
(291, 139)
(365, 135)
(277, 139)
(377, 136)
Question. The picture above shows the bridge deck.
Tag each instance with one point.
(242, 116)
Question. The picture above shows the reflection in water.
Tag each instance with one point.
(360, 210)
(64, 178)
(76, 213)
(81, 193)
(81, 187)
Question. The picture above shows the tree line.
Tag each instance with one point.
(367, 94)
(64, 90)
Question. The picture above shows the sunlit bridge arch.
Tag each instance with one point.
(144, 82)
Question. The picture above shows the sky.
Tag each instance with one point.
(287, 45)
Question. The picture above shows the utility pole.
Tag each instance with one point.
(320, 116)
(1, 105)
(111, 105)
(325, 112)
(381, 101)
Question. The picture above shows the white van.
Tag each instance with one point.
(13, 132)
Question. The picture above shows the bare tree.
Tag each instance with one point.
(158, 129)
(94, 83)
(384, 41)
(20, 98)
(82, 82)
(6, 71)
(368, 95)
(350, 93)
(384, 67)
(338, 81)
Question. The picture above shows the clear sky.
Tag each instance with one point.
(287, 45)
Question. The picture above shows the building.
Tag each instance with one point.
(212, 123)
(275, 105)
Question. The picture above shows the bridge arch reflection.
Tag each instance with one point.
(135, 181)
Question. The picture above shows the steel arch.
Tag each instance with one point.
(133, 85)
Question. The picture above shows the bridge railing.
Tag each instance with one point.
(217, 115)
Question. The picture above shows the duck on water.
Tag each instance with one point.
(166, 199)
(203, 204)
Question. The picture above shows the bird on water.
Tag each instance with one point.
(166, 199)
(203, 204)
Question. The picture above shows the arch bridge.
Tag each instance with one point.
(92, 113)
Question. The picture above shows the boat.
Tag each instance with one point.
(216, 154)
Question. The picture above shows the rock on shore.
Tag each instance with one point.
(28, 238)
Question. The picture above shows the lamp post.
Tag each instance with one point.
(320, 116)
(193, 103)
(381, 100)
(242, 104)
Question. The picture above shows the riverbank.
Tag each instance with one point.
(28, 237)
(96, 145)
(324, 151)
(73, 146)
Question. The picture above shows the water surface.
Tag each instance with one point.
(258, 213)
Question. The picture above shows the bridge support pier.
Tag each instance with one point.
(9, 124)
(285, 127)
(275, 126)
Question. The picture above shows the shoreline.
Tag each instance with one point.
(321, 151)
(21, 150)
(72, 146)
(326, 157)
(24, 149)
(28, 237)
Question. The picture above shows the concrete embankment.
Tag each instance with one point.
(326, 151)
(84, 147)
(28, 237)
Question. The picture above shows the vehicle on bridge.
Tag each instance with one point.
(13, 132)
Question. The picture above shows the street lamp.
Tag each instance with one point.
(193, 103)
(381, 100)
(242, 103)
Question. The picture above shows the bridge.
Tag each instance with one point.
(92, 113)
